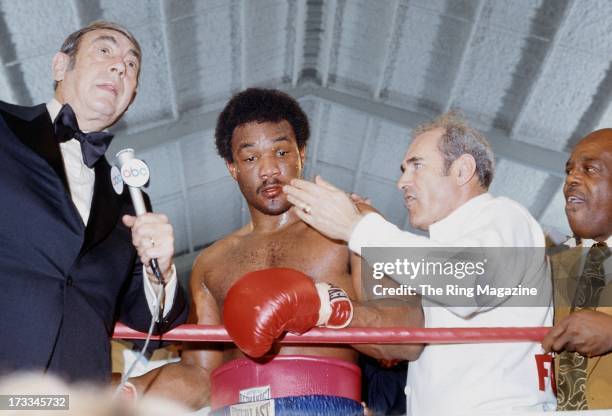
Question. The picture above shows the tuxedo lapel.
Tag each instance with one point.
(104, 207)
(33, 126)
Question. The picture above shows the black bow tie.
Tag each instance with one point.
(93, 145)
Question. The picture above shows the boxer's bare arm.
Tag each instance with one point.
(356, 276)
(406, 312)
(188, 380)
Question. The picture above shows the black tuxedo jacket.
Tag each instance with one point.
(63, 284)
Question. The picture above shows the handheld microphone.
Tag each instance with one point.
(135, 174)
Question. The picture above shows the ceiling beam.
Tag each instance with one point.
(368, 106)
(363, 153)
(238, 39)
(546, 195)
(331, 41)
(164, 133)
(78, 9)
(541, 70)
(169, 61)
(188, 122)
(294, 46)
(185, 195)
(459, 74)
(391, 51)
(547, 160)
(321, 111)
(243, 45)
(593, 118)
(86, 11)
(10, 68)
(8, 94)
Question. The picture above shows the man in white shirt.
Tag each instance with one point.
(445, 176)
(72, 250)
(583, 280)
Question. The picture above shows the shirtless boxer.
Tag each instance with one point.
(262, 136)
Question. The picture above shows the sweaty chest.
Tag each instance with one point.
(319, 259)
(266, 253)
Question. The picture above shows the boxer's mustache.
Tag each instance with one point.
(268, 183)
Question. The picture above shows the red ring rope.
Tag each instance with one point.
(217, 333)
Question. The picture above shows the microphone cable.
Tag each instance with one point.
(157, 310)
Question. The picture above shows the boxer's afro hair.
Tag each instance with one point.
(259, 105)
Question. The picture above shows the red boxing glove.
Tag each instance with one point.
(262, 305)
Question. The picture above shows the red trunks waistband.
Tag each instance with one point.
(244, 380)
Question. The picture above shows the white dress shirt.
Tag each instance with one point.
(81, 182)
(472, 378)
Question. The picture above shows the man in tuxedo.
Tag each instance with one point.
(583, 280)
(72, 250)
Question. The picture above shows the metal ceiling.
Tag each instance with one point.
(534, 75)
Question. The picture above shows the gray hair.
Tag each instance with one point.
(459, 139)
(71, 44)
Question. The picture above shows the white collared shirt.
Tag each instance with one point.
(81, 181)
(80, 177)
(472, 378)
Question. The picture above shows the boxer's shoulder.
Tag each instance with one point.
(220, 249)
(216, 266)
(209, 259)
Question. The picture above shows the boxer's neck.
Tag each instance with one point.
(264, 223)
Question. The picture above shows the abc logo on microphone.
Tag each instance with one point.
(135, 172)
